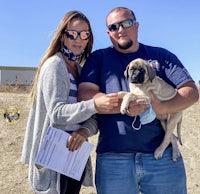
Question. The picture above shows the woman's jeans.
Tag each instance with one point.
(128, 173)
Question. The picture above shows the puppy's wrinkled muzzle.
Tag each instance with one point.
(137, 79)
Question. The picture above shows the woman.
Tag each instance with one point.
(54, 103)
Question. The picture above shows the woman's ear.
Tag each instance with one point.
(61, 38)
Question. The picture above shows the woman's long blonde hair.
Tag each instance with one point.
(55, 46)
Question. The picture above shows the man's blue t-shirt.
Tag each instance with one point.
(105, 67)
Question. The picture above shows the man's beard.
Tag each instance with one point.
(126, 45)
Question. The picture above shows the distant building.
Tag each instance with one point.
(17, 75)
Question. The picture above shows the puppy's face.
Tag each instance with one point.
(138, 72)
(136, 75)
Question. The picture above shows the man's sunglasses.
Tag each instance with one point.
(73, 35)
(123, 24)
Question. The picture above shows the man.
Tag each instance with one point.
(125, 162)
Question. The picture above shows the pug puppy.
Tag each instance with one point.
(142, 78)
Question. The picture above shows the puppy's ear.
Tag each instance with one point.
(151, 72)
(126, 72)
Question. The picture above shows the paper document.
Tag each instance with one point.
(54, 154)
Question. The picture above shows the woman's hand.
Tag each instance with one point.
(77, 138)
(107, 103)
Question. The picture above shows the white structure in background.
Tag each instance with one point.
(17, 75)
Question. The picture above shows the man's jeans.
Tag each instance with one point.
(127, 173)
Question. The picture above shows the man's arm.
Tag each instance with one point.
(87, 90)
(186, 96)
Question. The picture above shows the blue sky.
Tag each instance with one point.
(26, 27)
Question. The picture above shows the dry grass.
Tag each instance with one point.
(17, 88)
(13, 178)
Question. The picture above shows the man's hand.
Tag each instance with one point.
(137, 107)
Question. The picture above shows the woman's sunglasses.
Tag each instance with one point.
(123, 24)
(73, 35)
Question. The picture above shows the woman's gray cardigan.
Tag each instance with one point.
(51, 108)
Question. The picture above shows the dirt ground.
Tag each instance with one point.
(13, 174)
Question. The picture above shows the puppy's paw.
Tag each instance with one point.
(124, 110)
(158, 153)
(176, 154)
